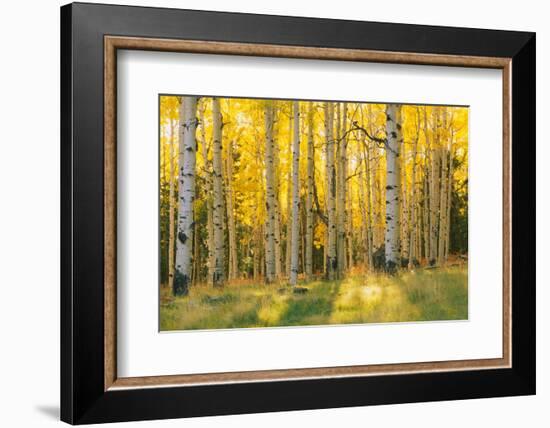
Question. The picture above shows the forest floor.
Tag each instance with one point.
(421, 295)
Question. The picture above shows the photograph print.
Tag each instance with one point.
(277, 213)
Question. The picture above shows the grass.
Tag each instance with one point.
(422, 295)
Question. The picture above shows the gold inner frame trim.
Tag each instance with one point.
(113, 43)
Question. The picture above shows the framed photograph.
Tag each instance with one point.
(265, 213)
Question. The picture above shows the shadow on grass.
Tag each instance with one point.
(314, 307)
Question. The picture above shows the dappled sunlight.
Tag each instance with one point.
(271, 312)
(372, 292)
(423, 295)
(373, 298)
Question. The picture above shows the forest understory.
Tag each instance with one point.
(424, 294)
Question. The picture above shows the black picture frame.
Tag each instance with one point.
(83, 398)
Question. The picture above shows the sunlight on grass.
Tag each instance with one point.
(272, 310)
(423, 295)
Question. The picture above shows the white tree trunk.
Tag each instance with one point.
(270, 195)
(331, 260)
(295, 232)
(231, 231)
(369, 205)
(309, 196)
(187, 165)
(208, 195)
(442, 211)
(256, 254)
(413, 222)
(289, 202)
(403, 203)
(426, 208)
(433, 199)
(341, 193)
(393, 176)
(449, 202)
(443, 196)
(218, 277)
(277, 223)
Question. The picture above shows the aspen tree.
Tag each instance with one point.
(404, 204)
(218, 278)
(393, 176)
(443, 194)
(331, 260)
(434, 186)
(196, 254)
(270, 194)
(412, 212)
(289, 197)
(208, 194)
(295, 231)
(186, 179)
(309, 196)
(231, 232)
(277, 222)
(426, 208)
(449, 201)
(341, 190)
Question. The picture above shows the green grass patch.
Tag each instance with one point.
(422, 295)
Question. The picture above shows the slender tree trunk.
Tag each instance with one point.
(369, 204)
(196, 255)
(171, 232)
(270, 195)
(261, 251)
(289, 202)
(208, 196)
(404, 204)
(449, 201)
(277, 223)
(309, 196)
(426, 210)
(331, 260)
(364, 225)
(443, 197)
(218, 278)
(348, 214)
(349, 220)
(325, 251)
(393, 176)
(419, 232)
(434, 190)
(442, 211)
(277, 231)
(295, 231)
(378, 212)
(256, 254)
(231, 231)
(412, 212)
(187, 165)
(341, 193)
(302, 217)
(376, 207)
